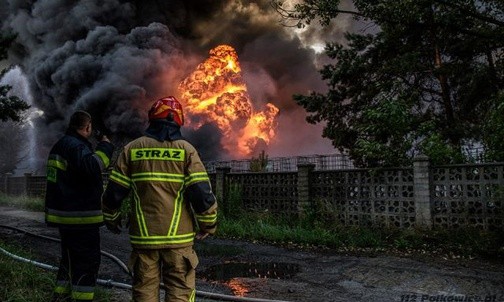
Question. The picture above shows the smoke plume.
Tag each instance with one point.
(114, 58)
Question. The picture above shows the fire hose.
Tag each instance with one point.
(111, 283)
(106, 254)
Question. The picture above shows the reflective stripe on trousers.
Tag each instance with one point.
(176, 268)
(73, 217)
(80, 261)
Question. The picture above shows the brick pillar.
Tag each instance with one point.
(303, 187)
(220, 183)
(421, 191)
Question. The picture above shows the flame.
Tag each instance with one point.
(238, 288)
(215, 92)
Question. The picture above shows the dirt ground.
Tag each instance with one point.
(264, 272)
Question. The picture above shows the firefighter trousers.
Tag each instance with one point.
(175, 266)
(79, 264)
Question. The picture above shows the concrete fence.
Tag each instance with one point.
(421, 196)
(29, 185)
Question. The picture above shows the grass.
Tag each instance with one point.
(24, 202)
(462, 243)
(23, 282)
(320, 229)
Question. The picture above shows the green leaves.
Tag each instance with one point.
(384, 134)
(10, 106)
(304, 13)
(493, 131)
(422, 84)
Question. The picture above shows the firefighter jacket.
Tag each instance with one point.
(74, 182)
(170, 193)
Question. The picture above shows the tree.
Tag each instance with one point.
(260, 163)
(423, 82)
(493, 131)
(11, 115)
(11, 107)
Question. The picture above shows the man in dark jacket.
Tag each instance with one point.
(73, 204)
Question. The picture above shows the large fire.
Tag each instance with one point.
(215, 92)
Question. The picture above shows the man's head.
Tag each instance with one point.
(167, 109)
(80, 122)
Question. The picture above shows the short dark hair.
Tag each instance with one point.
(79, 120)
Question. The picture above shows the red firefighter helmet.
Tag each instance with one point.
(168, 108)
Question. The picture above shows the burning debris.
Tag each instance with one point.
(216, 93)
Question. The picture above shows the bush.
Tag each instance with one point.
(232, 206)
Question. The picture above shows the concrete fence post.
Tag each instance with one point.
(421, 191)
(303, 187)
(6, 183)
(27, 184)
(220, 183)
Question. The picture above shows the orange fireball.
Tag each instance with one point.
(216, 92)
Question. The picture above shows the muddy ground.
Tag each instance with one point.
(231, 267)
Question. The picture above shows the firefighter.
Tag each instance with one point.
(171, 204)
(73, 204)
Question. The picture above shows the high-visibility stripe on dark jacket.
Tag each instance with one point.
(170, 191)
(74, 182)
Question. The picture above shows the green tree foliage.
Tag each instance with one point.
(422, 81)
(493, 131)
(11, 107)
(12, 133)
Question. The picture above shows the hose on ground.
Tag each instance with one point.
(111, 283)
(108, 283)
(118, 261)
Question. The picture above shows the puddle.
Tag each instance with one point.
(227, 271)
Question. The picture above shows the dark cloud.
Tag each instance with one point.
(98, 61)
(206, 140)
(292, 71)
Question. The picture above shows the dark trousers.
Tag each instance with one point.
(80, 261)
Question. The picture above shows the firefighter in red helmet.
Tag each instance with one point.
(171, 193)
(168, 109)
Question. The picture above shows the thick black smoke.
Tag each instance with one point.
(114, 58)
(89, 55)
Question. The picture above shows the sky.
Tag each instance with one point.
(114, 58)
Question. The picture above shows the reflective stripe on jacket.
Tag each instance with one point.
(170, 190)
(74, 182)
